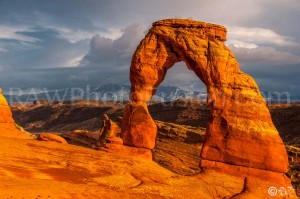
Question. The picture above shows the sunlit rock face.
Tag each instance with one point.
(7, 123)
(5, 113)
(240, 130)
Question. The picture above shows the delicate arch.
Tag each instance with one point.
(240, 130)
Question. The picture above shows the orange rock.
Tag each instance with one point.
(114, 140)
(5, 114)
(49, 137)
(270, 176)
(240, 130)
(127, 151)
(257, 182)
(138, 128)
(34, 169)
(108, 129)
(7, 123)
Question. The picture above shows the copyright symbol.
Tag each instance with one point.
(272, 191)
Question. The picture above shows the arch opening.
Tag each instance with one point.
(181, 115)
(180, 82)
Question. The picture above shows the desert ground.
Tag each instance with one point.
(181, 129)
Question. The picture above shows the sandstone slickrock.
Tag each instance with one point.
(177, 148)
(240, 130)
(7, 124)
(114, 140)
(126, 151)
(53, 170)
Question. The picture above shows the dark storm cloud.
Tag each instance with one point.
(58, 43)
(107, 60)
(264, 55)
(107, 52)
(55, 78)
(282, 79)
(47, 50)
(72, 13)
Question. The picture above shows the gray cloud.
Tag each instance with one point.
(58, 43)
(275, 78)
(264, 55)
(46, 50)
(260, 36)
(106, 52)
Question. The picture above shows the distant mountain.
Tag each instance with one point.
(106, 92)
(120, 92)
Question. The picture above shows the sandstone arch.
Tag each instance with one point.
(240, 130)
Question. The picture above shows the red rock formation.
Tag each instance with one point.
(240, 130)
(49, 137)
(114, 140)
(138, 129)
(126, 151)
(108, 129)
(7, 123)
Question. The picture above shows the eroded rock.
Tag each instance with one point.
(138, 128)
(49, 137)
(240, 130)
(7, 124)
(108, 129)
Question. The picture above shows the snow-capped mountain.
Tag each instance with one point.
(106, 92)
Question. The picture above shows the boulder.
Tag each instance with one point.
(49, 137)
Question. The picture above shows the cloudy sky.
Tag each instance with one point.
(61, 43)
